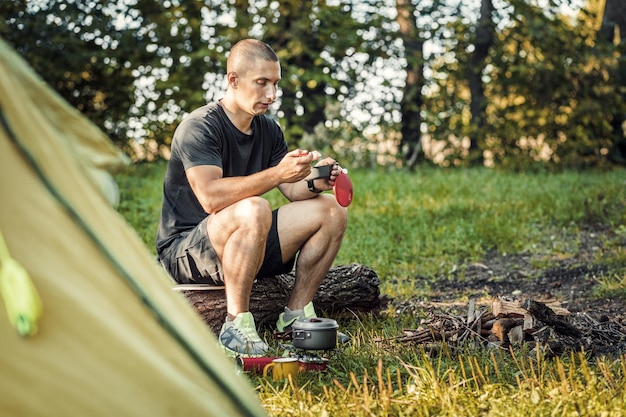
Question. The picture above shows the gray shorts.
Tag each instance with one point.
(191, 259)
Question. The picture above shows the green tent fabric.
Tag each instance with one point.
(113, 339)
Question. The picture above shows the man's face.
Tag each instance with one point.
(256, 87)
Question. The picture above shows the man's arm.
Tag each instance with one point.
(300, 190)
(214, 192)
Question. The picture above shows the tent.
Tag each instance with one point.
(113, 338)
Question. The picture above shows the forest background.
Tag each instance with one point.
(518, 84)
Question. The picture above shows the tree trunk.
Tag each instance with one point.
(614, 24)
(613, 19)
(346, 290)
(478, 104)
(412, 99)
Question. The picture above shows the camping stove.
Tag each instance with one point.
(307, 362)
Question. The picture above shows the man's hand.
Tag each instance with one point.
(296, 165)
(326, 184)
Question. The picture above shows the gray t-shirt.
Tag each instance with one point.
(208, 137)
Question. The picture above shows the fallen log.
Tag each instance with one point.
(345, 290)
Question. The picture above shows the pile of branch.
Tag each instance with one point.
(509, 324)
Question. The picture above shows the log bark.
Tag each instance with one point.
(346, 290)
(543, 313)
(501, 307)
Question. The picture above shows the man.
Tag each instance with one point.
(215, 228)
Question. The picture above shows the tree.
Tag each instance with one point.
(510, 80)
(325, 53)
(612, 34)
(412, 102)
(547, 94)
(551, 97)
(189, 42)
(77, 48)
(484, 37)
(613, 22)
(299, 34)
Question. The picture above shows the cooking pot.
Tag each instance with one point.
(314, 333)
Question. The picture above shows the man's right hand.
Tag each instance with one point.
(296, 165)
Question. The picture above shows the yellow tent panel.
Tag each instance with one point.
(113, 339)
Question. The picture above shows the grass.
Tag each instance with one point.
(411, 228)
(496, 384)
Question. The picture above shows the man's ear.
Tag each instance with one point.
(232, 78)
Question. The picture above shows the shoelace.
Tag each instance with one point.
(249, 335)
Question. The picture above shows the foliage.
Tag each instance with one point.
(559, 102)
(325, 52)
(136, 68)
(544, 105)
(73, 45)
(140, 198)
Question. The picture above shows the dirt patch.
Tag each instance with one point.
(572, 280)
(567, 277)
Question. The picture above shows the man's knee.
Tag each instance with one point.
(337, 214)
(254, 211)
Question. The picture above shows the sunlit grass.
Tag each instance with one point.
(140, 199)
(408, 382)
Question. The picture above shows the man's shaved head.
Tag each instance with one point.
(246, 52)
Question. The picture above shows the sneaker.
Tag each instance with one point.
(239, 338)
(283, 325)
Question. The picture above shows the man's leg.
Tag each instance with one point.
(315, 228)
(238, 234)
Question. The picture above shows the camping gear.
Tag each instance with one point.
(281, 368)
(307, 362)
(314, 333)
(20, 296)
(255, 364)
(320, 171)
(112, 338)
(342, 189)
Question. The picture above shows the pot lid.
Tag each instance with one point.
(314, 323)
